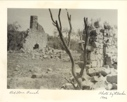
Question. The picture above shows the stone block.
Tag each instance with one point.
(93, 56)
(97, 44)
(94, 64)
(67, 86)
(36, 75)
(112, 78)
(94, 71)
(114, 86)
(87, 85)
(100, 85)
(108, 86)
(105, 71)
(113, 71)
(95, 79)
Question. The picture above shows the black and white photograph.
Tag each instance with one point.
(62, 49)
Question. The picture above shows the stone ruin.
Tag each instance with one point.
(102, 47)
(37, 38)
(101, 68)
(102, 57)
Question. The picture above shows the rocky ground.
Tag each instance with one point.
(38, 71)
(26, 71)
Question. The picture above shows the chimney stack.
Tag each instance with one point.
(33, 22)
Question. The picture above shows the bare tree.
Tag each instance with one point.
(85, 32)
(70, 30)
(58, 25)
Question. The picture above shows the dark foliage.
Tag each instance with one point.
(56, 43)
(15, 38)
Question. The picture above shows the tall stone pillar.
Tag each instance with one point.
(33, 22)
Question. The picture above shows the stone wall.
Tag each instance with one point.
(37, 38)
(102, 47)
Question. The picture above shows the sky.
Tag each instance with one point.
(22, 16)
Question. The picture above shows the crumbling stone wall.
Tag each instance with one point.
(101, 47)
(96, 51)
(37, 38)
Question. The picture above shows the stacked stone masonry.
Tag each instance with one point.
(102, 48)
(37, 38)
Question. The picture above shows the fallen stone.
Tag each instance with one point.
(106, 66)
(95, 79)
(67, 86)
(115, 66)
(16, 69)
(105, 71)
(114, 86)
(36, 75)
(93, 71)
(49, 69)
(45, 56)
(99, 85)
(108, 86)
(113, 71)
(112, 78)
(87, 85)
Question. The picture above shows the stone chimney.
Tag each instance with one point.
(33, 22)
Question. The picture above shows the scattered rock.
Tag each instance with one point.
(67, 86)
(49, 69)
(99, 85)
(106, 66)
(105, 71)
(94, 71)
(45, 56)
(36, 75)
(108, 86)
(112, 78)
(113, 71)
(95, 79)
(87, 85)
(114, 86)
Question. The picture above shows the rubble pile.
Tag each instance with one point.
(49, 53)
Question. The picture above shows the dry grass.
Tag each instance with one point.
(21, 66)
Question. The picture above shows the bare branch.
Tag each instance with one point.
(86, 40)
(59, 19)
(70, 30)
(51, 17)
(69, 81)
(59, 28)
(70, 55)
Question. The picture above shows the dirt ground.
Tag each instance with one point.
(23, 72)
